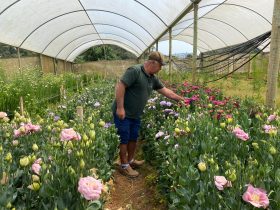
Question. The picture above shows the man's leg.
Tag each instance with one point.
(123, 153)
(131, 147)
(132, 144)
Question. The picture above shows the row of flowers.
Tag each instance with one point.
(59, 161)
(213, 152)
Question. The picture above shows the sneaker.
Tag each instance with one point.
(129, 172)
(137, 163)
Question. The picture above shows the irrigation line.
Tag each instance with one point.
(238, 67)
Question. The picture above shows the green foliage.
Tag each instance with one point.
(104, 52)
(36, 89)
(202, 132)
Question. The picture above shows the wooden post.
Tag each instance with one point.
(19, 60)
(41, 62)
(21, 106)
(249, 67)
(64, 65)
(54, 67)
(274, 57)
(195, 8)
(170, 55)
(62, 93)
(80, 113)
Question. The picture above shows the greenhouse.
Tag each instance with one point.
(74, 73)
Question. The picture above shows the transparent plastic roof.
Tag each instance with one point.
(224, 23)
(65, 28)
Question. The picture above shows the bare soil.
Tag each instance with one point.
(135, 193)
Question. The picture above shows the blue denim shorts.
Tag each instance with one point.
(128, 128)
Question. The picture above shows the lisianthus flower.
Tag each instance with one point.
(159, 134)
(69, 134)
(90, 188)
(271, 117)
(36, 168)
(256, 196)
(96, 104)
(221, 182)
(240, 134)
(3, 114)
(32, 128)
(269, 128)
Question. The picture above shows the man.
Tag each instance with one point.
(132, 92)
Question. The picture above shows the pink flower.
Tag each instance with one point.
(256, 196)
(90, 188)
(240, 134)
(36, 168)
(38, 161)
(26, 129)
(32, 128)
(271, 117)
(268, 128)
(3, 114)
(221, 182)
(69, 134)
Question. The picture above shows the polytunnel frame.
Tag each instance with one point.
(100, 38)
(129, 47)
(219, 4)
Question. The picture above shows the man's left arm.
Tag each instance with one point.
(170, 94)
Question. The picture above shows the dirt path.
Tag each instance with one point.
(135, 194)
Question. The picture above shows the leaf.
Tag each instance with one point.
(94, 205)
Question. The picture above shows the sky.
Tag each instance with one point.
(177, 47)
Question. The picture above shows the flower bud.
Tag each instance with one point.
(272, 150)
(35, 147)
(202, 166)
(24, 161)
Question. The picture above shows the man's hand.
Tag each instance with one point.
(120, 113)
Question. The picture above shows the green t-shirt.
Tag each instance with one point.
(139, 88)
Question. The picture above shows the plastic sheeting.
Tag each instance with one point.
(64, 29)
(225, 23)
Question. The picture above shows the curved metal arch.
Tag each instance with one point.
(221, 4)
(206, 32)
(218, 21)
(199, 40)
(67, 13)
(88, 25)
(247, 9)
(97, 40)
(124, 30)
(100, 10)
(9, 7)
(92, 34)
(89, 18)
(152, 12)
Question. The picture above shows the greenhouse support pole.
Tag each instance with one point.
(19, 61)
(274, 57)
(170, 55)
(157, 46)
(195, 7)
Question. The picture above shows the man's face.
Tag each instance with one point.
(156, 67)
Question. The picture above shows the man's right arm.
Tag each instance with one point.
(120, 91)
